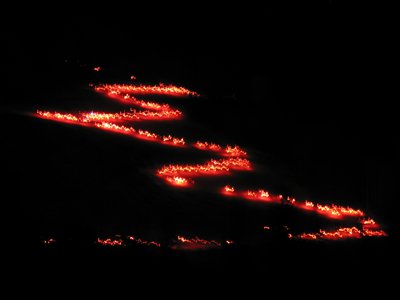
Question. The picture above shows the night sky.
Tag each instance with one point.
(304, 88)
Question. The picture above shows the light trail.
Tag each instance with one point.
(196, 243)
(233, 158)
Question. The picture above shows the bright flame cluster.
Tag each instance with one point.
(180, 243)
(107, 121)
(262, 195)
(93, 117)
(111, 242)
(140, 241)
(212, 167)
(341, 233)
(369, 227)
(119, 241)
(49, 241)
(234, 151)
(196, 243)
(178, 181)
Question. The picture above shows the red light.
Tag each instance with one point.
(111, 242)
(196, 243)
(210, 168)
(309, 204)
(178, 181)
(49, 241)
(229, 189)
(140, 241)
(261, 195)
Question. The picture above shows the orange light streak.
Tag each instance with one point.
(233, 151)
(178, 181)
(261, 195)
(196, 243)
(111, 242)
(341, 234)
(140, 241)
(229, 189)
(212, 167)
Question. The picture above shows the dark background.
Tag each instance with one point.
(305, 88)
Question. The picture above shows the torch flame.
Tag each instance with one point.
(229, 189)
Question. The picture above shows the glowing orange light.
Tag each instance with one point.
(291, 200)
(49, 241)
(97, 69)
(196, 243)
(208, 146)
(342, 233)
(229, 189)
(261, 195)
(309, 204)
(377, 233)
(369, 224)
(178, 181)
(107, 121)
(308, 236)
(212, 167)
(233, 151)
(368, 221)
(140, 241)
(111, 242)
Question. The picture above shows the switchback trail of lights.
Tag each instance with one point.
(232, 159)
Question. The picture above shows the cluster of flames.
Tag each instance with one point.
(180, 175)
(196, 243)
(342, 233)
(120, 241)
(212, 167)
(328, 210)
(94, 117)
(111, 242)
(153, 112)
(178, 181)
(140, 241)
(368, 226)
(179, 243)
(235, 151)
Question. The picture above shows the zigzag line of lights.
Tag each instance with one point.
(181, 175)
